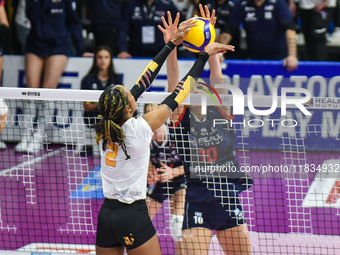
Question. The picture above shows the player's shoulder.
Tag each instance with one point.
(136, 124)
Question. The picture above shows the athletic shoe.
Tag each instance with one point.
(334, 38)
(35, 145)
(22, 145)
(3, 145)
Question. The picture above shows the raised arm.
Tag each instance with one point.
(171, 62)
(216, 75)
(152, 69)
(184, 87)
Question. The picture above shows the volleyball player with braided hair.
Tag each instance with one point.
(123, 219)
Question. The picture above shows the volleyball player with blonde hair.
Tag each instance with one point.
(123, 220)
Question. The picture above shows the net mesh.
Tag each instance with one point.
(51, 193)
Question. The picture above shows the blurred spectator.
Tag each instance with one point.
(22, 24)
(316, 16)
(47, 51)
(100, 76)
(187, 9)
(105, 16)
(139, 24)
(4, 30)
(270, 30)
(3, 118)
(334, 38)
(223, 9)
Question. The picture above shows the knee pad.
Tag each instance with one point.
(176, 222)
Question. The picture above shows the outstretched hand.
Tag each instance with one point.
(215, 48)
(169, 28)
(205, 13)
(182, 30)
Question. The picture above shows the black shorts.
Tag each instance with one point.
(162, 191)
(213, 215)
(121, 224)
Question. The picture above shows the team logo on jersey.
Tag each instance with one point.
(129, 239)
(251, 16)
(137, 13)
(204, 131)
(269, 8)
(193, 141)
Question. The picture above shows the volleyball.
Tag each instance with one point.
(200, 36)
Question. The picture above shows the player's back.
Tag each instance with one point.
(125, 179)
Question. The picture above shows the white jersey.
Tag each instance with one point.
(123, 179)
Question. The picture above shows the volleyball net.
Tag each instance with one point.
(51, 191)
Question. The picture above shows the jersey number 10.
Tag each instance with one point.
(208, 155)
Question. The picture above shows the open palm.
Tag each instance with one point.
(169, 28)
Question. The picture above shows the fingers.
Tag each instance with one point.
(169, 18)
(230, 47)
(161, 170)
(213, 18)
(160, 28)
(164, 22)
(207, 12)
(177, 19)
(201, 10)
(186, 31)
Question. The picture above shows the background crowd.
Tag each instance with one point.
(259, 29)
(47, 32)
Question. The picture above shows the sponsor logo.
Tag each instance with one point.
(32, 94)
(129, 240)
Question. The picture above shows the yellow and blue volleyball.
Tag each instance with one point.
(200, 36)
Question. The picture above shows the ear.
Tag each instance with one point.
(128, 108)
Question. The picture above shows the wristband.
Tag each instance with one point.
(187, 84)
